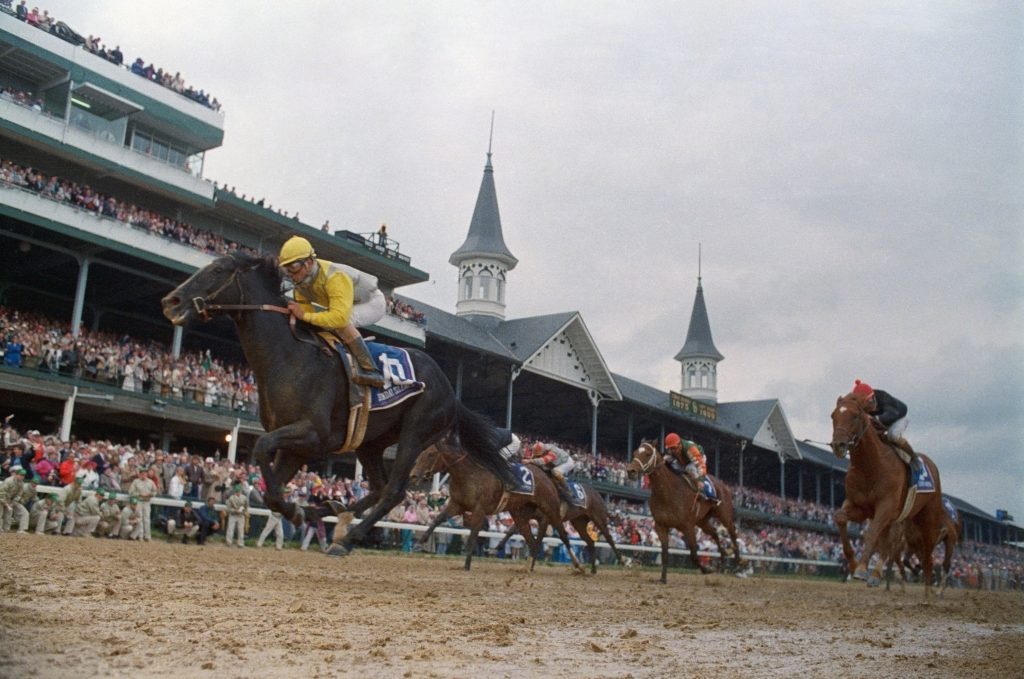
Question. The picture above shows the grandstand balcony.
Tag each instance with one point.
(102, 114)
(30, 207)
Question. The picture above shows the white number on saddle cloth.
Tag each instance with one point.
(394, 371)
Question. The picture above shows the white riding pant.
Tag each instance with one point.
(511, 451)
(897, 428)
(565, 467)
(370, 310)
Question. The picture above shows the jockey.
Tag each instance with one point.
(888, 411)
(552, 458)
(351, 299)
(686, 457)
(511, 445)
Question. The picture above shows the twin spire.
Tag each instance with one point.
(484, 261)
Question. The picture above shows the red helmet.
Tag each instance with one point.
(863, 389)
(673, 440)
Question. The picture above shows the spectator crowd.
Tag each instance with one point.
(94, 44)
(106, 488)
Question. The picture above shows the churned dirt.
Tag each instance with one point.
(80, 607)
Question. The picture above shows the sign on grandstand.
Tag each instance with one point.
(690, 406)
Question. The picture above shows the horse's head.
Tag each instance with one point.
(849, 424)
(431, 461)
(222, 281)
(645, 459)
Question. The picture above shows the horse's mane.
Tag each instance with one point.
(265, 265)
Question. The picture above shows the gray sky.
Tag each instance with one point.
(852, 169)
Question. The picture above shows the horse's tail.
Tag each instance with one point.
(483, 441)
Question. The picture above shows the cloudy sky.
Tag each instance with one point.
(852, 170)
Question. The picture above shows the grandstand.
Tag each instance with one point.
(104, 207)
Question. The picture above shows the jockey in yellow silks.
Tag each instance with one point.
(350, 298)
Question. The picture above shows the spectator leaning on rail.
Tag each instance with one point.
(351, 299)
(888, 411)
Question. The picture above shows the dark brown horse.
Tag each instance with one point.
(304, 395)
(952, 533)
(476, 493)
(595, 511)
(877, 485)
(675, 504)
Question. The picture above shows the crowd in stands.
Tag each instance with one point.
(216, 487)
(36, 342)
(94, 44)
(21, 97)
(85, 198)
(397, 307)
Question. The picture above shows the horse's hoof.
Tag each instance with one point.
(860, 574)
(338, 549)
(337, 507)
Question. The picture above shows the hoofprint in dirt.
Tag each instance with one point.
(101, 608)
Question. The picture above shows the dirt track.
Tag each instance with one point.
(75, 607)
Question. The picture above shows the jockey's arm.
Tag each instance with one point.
(339, 303)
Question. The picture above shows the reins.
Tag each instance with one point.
(203, 307)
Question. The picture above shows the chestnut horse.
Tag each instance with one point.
(877, 484)
(595, 511)
(476, 493)
(675, 504)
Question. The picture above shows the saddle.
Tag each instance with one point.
(358, 395)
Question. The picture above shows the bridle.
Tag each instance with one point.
(652, 460)
(441, 460)
(203, 307)
(852, 438)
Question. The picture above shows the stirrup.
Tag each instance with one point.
(367, 379)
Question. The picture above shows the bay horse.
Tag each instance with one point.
(476, 493)
(675, 504)
(877, 484)
(304, 395)
(578, 517)
(951, 534)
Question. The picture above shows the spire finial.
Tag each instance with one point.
(698, 263)
(490, 139)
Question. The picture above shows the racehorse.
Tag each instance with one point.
(595, 511)
(304, 395)
(876, 488)
(675, 504)
(476, 493)
(951, 534)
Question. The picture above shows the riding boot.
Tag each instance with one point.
(366, 372)
(561, 484)
(905, 445)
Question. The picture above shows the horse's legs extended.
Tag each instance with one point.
(508, 534)
(296, 436)
(690, 533)
(450, 509)
(706, 526)
(536, 545)
(602, 526)
(844, 515)
(876, 536)
(580, 524)
(475, 524)
(662, 533)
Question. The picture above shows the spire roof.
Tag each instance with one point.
(485, 239)
(698, 337)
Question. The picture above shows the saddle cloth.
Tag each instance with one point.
(524, 477)
(399, 376)
(579, 494)
(708, 489)
(950, 509)
(921, 478)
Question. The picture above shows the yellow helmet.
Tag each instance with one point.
(294, 249)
